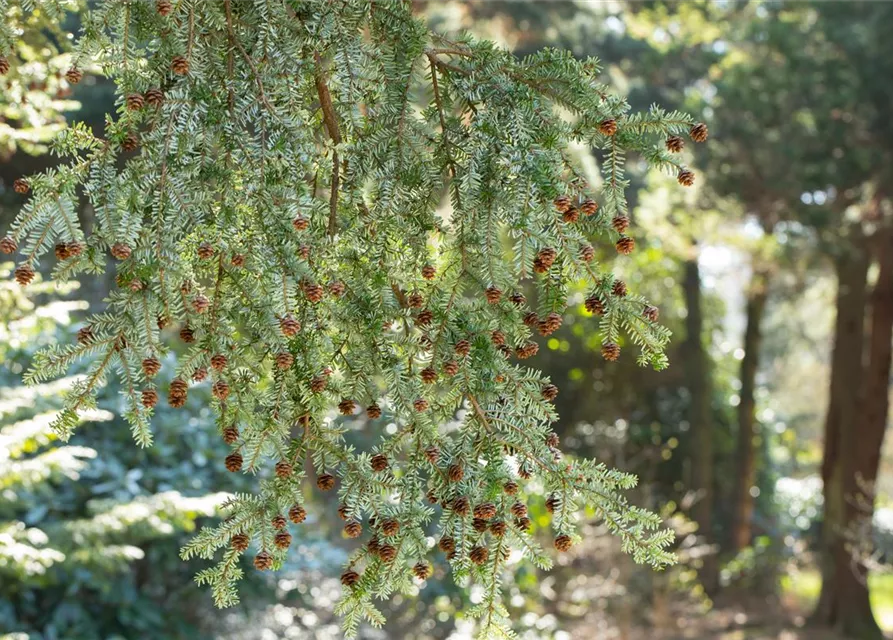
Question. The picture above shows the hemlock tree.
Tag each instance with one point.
(335, 207)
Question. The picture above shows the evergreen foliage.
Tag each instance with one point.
(335, 207)
(79, 530)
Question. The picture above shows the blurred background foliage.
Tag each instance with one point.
(762, 445)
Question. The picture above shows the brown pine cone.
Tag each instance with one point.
(120, 251)
(498, 528)
(163, 7)
(74, 249)
(180, 65)
(698, 132)
(428, 272)
(619, 288)
(587, 253)
(239, 542)
(304, 252)
(479, 555)
(523, 523)
(550, 392)
(608, 127)
(220, 390)
(675, 144)
(199, 374)
(343, 511)
(485, 511)
(282, 540)
(149, 398)
(571, 215)
(374, 546)
(455, 472)
(314, 292)
(531, 319)
(415, 300)
(589, 207)
(347, 407)
(4, 65)
(130, 142)
(420, 404)
(349, 578)
(134, 102)
(460, 505)
(562, 203)
(651, 313)
(326, 482)
(218, 362)
(289, 326)
(625, 245)
(74, 75)
(594, 305)
(519, 510)
(510, 488)
(154, 98)
(421, 570)
(238, 260)
(610, 351)
(686, 178)
(283, 469)
(379, 462)
(432, 454)
(231, 435)
(451, 367)
(479, 525)
(297, 514)
(21, 186)
(493, 293)
(151, 366)
(337, 288)
(284, 360)
(390, 527)
(620, 223)
(563, 543)
(431, 496)
(300, 223)
(429, 375)
(279, 521)
(8, 245)
(263, 561)
(234, 462)
(446, 544)
(553, 502)
(205, 251)
(318, 384)
(497, 337)
(546, 257)
(462, 348)
(201, 303)
(85, 335)
(187, 335)
(61, 251)
(552, 440)
(517, 299)
(424, 318)
(24, 274)
(387, 553)
(353, 529)
(373, 411)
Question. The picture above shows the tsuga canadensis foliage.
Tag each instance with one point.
(335, 211)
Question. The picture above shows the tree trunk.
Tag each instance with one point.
(746, 449)
(851, 463)
(700, 449)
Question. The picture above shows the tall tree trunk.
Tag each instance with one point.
(701, 436)
(852, 453)
(746, 449)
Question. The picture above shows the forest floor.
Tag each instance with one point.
(748, 618)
